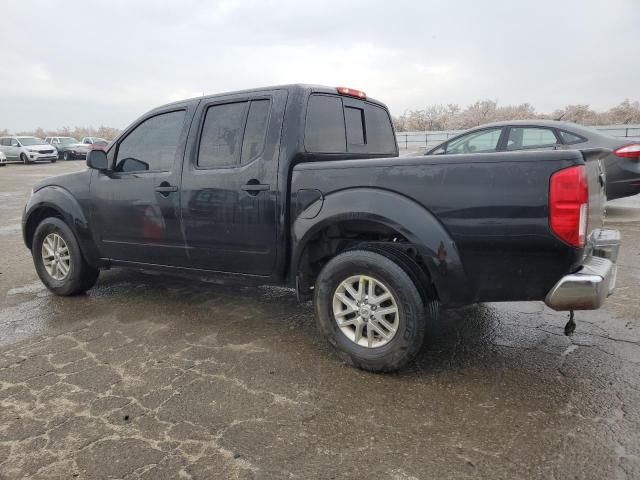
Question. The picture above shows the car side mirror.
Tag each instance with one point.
(97, 159)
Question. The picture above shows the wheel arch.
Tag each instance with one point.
(55, 201)
(388, 213)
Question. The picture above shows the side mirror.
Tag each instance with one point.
(97, 159)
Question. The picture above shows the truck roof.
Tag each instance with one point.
(303, 87)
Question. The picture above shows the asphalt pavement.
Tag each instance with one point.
(154, 376)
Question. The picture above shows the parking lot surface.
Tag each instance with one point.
(153, 376)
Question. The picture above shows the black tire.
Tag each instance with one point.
(413, 313)
(53, 160)
(24, 159)
(81, 276)
(66, 156)
(409, 265)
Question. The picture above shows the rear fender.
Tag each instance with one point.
(410, 219)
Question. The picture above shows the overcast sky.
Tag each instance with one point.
(67, 63)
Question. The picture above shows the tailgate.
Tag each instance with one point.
(594, 158)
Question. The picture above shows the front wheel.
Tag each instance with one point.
(66, 156)
(371, 311)
(59, 261)
(24, 158)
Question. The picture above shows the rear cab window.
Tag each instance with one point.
(337, 124)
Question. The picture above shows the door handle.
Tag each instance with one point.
(165, 189)
(253, 187)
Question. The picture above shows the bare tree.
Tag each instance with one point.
(108, 133)
(452, 117)
(624, 113)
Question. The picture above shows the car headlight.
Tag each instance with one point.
(31, 150)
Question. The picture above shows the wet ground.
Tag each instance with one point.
(150, 376)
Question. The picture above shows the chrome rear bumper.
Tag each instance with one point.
(588, 288)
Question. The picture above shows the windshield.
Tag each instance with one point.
(30, 141)
(67, 140)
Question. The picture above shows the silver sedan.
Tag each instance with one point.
(622, 165)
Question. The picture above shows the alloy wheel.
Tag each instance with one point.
(366, 311)
(56, 257)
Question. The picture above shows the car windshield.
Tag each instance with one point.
(68, 140)
(30, 141)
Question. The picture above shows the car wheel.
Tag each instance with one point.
(371, 311)
(53, 160)
(24, 158)
(66, 156)
(59, 261)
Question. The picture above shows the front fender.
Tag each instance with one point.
(409, 218)
(56, 199)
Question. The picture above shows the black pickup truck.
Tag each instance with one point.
(302, 185)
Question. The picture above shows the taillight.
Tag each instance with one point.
(569, 205)
(628, 151)
(352, 92)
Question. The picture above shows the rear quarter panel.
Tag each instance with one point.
(493, 206)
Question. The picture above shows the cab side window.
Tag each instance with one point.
(233, 133)
(325, 128)
(152, 145)
(256, 130)
(221, 138)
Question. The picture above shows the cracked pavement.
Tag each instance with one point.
(150, 376)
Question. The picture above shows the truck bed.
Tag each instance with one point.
(494, 208)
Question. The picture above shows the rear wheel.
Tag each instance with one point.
(59, 261)
(371, 311)
(66, 156)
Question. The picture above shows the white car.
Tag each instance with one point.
(3, 159)
(27, 149)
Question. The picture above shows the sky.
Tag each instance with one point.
(91, 63)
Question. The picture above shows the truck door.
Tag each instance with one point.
(136, 205)
(230, 186)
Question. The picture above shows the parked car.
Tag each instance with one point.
(27, 149)
(3, 159)
(302, 186)
(622, 165)
(92, 140)
(100, 145)
(68, 147)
